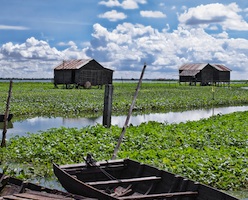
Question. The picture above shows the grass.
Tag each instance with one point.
(42, 99)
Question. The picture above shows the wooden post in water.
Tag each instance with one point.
(107, 105)
(129, 115)
(5, 121)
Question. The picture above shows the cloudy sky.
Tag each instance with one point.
(37, 35)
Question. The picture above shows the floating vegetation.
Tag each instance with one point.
(212, 151)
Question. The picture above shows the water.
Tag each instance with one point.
(36, 124)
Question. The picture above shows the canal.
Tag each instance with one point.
(36, 124)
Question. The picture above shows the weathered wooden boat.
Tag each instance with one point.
(10, 116)
(16, 189)
(129, 179)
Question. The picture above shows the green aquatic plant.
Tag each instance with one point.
(212, 151)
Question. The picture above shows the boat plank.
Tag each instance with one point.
(100, 163)
(165, 195)
(40, 196)
(12, 197)
(94, 169)
(119, 181)
(47, 195)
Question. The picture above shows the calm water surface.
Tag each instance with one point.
(36, 124)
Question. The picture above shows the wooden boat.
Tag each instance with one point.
(129, 179)
(2, 117)
(16, 189)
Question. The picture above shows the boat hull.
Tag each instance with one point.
(128, 179)
(13, 188)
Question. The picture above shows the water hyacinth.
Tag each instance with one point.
(211, 151)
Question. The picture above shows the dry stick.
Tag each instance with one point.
(5, 121)
(129, 115)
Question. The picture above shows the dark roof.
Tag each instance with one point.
(193, 67)
(200, 66)
(73, 64)
(221, 67)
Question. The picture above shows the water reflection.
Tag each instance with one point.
(37, 124)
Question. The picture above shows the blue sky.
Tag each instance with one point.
(37, 35)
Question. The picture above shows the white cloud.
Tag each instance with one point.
(173, 8)
(113, 15)
(18, 28)
(184, 8)
(128, 46)
(34, 58)
(130, 4)
(125, 49)
(70, 43)
(152, 14)
(126, 4)
(225, 15)
(31, 49)
(110, 3)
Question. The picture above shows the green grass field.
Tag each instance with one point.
(42, 99)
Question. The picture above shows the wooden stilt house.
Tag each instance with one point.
(82, 71)
(204, 73)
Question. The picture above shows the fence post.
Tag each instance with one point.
(5, 121)
(107, 111)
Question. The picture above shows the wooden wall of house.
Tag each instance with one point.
(224, 76)
(186, 79)
(63, 77)
(95, 77)
(207, 74)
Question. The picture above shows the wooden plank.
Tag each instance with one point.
(94, 169)
(40, 196)
(100, 163)
(13, 197)
(119, 181)
(50, 195)
(164, 195)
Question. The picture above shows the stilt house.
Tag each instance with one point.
(204, 73)
(78, 72)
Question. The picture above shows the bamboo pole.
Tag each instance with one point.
(129, 115)
(5, 121)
